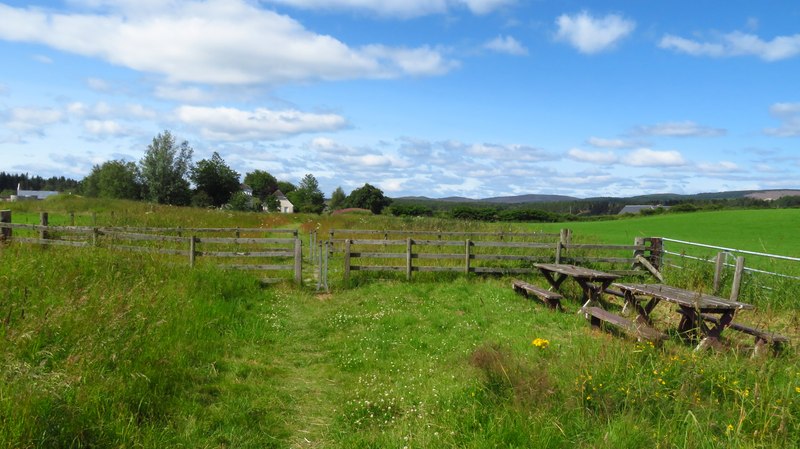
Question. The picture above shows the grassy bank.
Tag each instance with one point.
(108, 349)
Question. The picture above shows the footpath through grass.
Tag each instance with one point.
(103, 349)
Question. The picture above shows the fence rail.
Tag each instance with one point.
(487, 256)
(245, 253)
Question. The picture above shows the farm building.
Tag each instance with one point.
(638, 208)
(31, 194)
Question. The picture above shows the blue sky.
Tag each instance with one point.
(473, 98)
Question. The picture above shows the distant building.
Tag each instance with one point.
(638, 208)
(31, 194)
(286, 206)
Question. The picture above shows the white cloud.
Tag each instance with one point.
(506, 44)
(32, 119)
(680, 129)
(219, 42)
(182, 94)
(736, 44)
(600, 142)
(645, 157)
(594, 157)
(43, 59)
(789, 115)
(593, 35)
(104, 128)
(102, 111)
(719, 167)
(400, 8)
(230, 124)
(98, 84)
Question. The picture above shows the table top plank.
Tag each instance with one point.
(683, 297)
(576, 271)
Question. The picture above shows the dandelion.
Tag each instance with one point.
(797, 389)
(540, 343)
(729, 429)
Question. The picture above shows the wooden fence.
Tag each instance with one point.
(494, 254)
(243, 250)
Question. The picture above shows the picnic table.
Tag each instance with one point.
(694, 307)
(592, 282)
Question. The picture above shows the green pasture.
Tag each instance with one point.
(101, 348)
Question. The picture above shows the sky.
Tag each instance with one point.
(437, 98)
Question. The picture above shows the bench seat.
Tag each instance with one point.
(552, 299)
(763, 337)
(598, 316)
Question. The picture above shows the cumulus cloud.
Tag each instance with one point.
(736, 44)
(680, 129)
(229, 42)
(506, 44)
(617, 144)
(646, 157)
(400, 8)
(104, 128)
(789, 115)
(231, 124)
(594, 157)
(593, 35)
(103, 111)
(32, 120)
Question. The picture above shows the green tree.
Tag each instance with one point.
(337, 199)
(215, 178)
(368, 197)
(272, 203)
(286, 187)
(243, 202)
(165, 168)
(113, 179)
(262, 183)
(308, 197)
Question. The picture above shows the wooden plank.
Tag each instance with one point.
(597, 316)
(439, 256)
(144, 249)
(607, 247)
(503, 270)
(257, 267)
(737, 278)
(646, 263)
(246, 254)
(298, 262)
(439, 269)
(52, 242)
(147, 237)
(588, 260)
(377, 242)
(509, 257)
(530, 245)
(242, 241)
(368, 255)
(376, 268)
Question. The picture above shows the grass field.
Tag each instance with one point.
(108, 349)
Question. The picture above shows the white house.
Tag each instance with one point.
(286, 206)
(638, 208)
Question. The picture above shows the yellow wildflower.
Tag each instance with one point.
(540, 343)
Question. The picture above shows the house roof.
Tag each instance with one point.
(279, 195)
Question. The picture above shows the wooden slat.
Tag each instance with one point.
(52, 242)
(144, 249)
(243, 241)
(572, 246)
(438, 269)
(375, 268)
(258, 267)
(508, 257)
(245, 253)
(502, 270)
(364, 255)
(512, 245)
(147, 237)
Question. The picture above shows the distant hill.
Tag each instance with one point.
(639, 199)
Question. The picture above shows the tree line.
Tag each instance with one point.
(166, 174)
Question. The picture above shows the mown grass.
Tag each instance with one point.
(111, 349)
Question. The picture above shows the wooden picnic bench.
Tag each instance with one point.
(597, 317)
(763, 338)
(552, 299)
(691, 306)
(592, 282)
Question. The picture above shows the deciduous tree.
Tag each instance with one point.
(215, 178)
(165, 168)
(368, 197)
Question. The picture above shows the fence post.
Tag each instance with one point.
(409, 244)
(298, 261)
(737, 278)
(720, 264)
(656, 252)
(192, 243)
(347, 260)
(72, 218)
(43, 221)
(5, 217)
(467, 256)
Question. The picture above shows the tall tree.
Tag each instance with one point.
(308, 197)
(113, 179)
(262, 183)
(368, 197)
(165, 167)
(286, 187)
(337, 199)
(215, 178)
